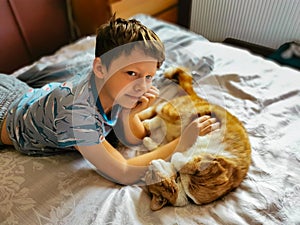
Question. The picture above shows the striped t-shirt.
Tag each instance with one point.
(58, 117)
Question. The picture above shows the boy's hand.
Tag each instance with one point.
(200, 126)
(146, 100)
(134, 128)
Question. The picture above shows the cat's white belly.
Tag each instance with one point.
(210, 144)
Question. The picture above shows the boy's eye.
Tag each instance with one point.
(149, 77)
(131, 73)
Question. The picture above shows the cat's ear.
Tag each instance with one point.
(157, 202)
(98, 68)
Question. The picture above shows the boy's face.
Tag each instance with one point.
(127, 79)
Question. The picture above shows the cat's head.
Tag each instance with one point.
(163, 185)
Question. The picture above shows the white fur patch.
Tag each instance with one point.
(182, 198)
(211, 143)
(165, 168)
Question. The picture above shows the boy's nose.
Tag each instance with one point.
(140, 86)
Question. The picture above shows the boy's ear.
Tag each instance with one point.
(98, 68)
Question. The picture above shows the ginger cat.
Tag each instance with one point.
(212, 167)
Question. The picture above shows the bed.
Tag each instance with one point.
(66, 189)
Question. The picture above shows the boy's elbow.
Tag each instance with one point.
(127, 175)
(126, 180)
(133, 140)
(123, 181)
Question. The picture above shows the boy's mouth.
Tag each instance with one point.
(134, 98)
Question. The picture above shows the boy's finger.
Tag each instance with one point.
(206, 121)
(209, 128)
(144, 101)
(216, 126)
(203, 118)
(153, 90)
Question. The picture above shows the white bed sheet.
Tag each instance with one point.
(65, 189)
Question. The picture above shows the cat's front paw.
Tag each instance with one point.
(146, 124)
(149, 143)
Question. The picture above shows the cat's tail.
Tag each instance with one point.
(184, 79)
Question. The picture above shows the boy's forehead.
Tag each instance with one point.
(136, 56)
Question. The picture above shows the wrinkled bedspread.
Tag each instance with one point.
(65, 189)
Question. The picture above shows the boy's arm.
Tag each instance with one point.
(111, 162)
(132, 128)
(124, 171)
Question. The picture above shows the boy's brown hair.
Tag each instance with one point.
(120, 36)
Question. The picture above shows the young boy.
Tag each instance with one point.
(78, 115)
